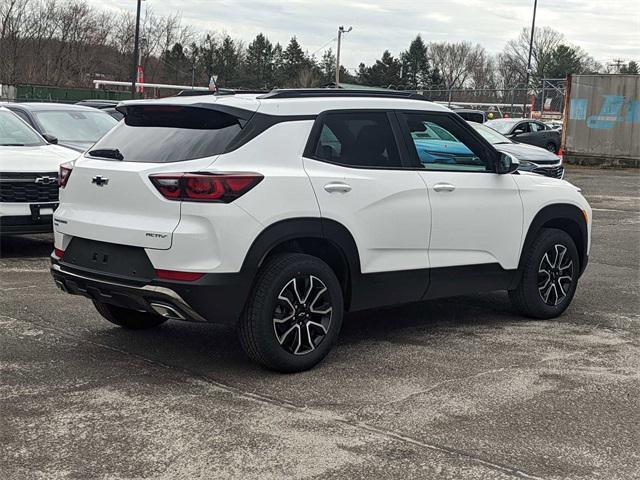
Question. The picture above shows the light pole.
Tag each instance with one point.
(136, 46)
(526, 83)
(341, 30)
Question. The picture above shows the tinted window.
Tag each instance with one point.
(362, 139)
(13, 131)
(442, 144)
(159, 134)
(75, 125)
(521, 128)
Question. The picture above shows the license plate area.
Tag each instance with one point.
(122, 261)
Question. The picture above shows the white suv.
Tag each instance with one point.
(277, 213)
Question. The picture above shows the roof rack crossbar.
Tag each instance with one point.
(331, 92)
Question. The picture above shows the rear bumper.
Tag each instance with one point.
(216, 298)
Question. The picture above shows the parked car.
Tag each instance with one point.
(531, 158)
(107, 106)
(28, 177)
(527, 131)
(277, 213)
(71, 126)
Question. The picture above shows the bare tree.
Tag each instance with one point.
(455, 61)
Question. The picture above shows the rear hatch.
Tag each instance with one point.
(109, 196)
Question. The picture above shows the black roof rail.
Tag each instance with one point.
(335, 92)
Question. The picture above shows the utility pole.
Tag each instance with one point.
(136, 46)
(526, 83)
(341, 30)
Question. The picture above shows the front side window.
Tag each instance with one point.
(536, 127)
(440, 144)
(359, 139)
(14, 132)
(521, 128)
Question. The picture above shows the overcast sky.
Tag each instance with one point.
(607, 29)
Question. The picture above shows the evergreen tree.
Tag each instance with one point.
(227, 62)
(415, 65)
(260, 62)
(176, 64)
(384, 73)
(564, 61)
(294, 62)
(631, 68)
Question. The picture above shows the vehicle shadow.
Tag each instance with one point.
(26, 246)
(210, 349)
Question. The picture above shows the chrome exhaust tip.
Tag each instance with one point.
(167, 311)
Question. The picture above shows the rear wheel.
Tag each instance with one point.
(294, 314)
(127, 318)
(550, 276)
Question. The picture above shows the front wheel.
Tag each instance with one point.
(294, 314)
(550, 276)
(127, 318)
(551, 147)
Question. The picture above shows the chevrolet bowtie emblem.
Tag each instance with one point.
(99, 180)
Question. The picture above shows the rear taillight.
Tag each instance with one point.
(58, 253)
(64, 174)
(182, 276)
(205, 187)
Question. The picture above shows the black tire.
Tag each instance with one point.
(280, 332)
(551, 147)
(547, 278)
(127, 318)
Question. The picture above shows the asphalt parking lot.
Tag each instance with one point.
(458, 388)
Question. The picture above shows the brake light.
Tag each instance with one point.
(64, 174)
(182, 276)
(58, 253)
(205, 187)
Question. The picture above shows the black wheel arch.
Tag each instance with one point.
(563, 216)
(324, 238)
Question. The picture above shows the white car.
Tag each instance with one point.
(277, 213)
(28, 177)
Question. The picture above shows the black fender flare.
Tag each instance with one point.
(556, 216)
(299, 228)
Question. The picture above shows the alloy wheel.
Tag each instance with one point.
(555, 275)
(302, 315)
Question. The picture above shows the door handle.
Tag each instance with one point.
(444, 187)
(337, 187)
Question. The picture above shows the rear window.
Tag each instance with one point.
(160, 134)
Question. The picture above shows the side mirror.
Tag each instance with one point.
(50, 138)
(507, 163)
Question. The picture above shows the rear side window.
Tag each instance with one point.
(359, 139)
(160, 134)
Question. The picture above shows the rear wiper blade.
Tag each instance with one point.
(107, 153)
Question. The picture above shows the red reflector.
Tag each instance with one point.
(58, 253)
(182, 276)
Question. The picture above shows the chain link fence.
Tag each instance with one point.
(545, 102)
